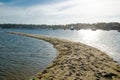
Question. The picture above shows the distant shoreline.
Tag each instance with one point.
(76, 61)
(75, 26)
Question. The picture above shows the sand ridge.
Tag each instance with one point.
(76, 61)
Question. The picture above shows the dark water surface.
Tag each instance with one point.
(22, 57)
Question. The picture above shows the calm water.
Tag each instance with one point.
(24, 56)
(21, 57)
(107, 41)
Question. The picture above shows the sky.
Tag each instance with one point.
(59, 11)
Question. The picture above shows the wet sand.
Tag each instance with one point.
(76, 61)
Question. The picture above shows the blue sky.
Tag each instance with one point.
(25, 3)
(59, 11)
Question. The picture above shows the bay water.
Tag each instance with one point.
(22, 57)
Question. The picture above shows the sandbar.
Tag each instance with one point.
(76, 61)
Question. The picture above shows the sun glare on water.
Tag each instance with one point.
(89, 35)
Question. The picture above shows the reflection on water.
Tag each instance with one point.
(89, 36)
(107, 41)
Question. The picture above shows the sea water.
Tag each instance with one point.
(106, 41)
(21, 57)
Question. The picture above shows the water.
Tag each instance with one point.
(22, 57)
(107, 41)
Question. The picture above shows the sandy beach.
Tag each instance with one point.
(76, 61)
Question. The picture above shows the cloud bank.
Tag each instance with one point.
(69, 11)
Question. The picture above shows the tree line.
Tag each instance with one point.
(103, 26)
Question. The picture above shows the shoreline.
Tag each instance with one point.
(76, 61)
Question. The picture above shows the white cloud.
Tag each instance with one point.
(68, 11)
(94, 8)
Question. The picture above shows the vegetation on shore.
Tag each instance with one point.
(77, 26)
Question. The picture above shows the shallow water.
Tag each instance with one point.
(21, 57)
(107, 41)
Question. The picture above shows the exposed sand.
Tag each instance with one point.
(77, 61)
